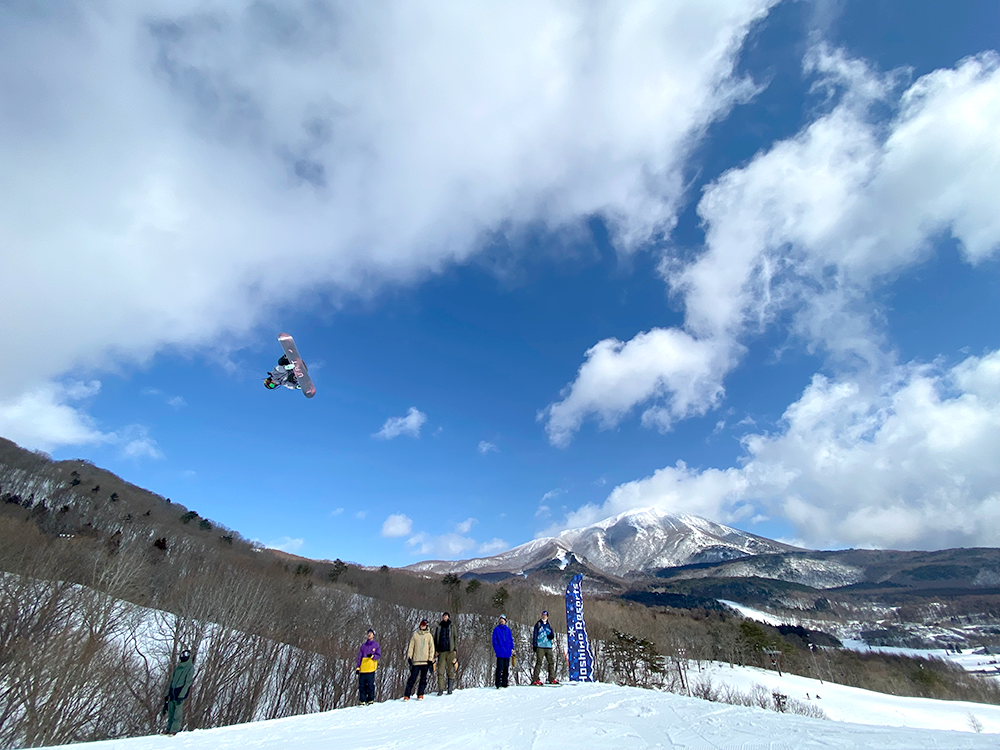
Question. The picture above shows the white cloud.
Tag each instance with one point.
(444, 546)
(395, 139)
(409, 425)
(336, 511)
(493, 546)
(485, 447)
(45, 418)
(811, 227)
(175, 402)
(907, 462)
(287, 544)
(465, 526)
(397, 525)
(53, 415)
(680, 374)
(544, 511)
(361, 515)
(136, 443)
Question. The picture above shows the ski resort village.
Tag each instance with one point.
(500, 375)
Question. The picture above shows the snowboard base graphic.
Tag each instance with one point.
(300, 370)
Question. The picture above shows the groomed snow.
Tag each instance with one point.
(586, 716)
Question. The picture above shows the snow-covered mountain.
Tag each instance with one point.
(634, 542)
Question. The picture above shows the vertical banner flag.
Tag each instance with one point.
(581, 658)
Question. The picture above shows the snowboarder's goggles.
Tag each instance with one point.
(270, 384)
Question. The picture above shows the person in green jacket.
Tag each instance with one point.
(180, 687)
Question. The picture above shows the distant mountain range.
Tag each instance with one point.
(633, 544)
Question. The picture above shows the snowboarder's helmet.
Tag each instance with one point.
(185, 655)
(270, 384)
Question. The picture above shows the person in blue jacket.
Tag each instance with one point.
(503, 647)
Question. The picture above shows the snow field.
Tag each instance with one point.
(842, 703)
(593, 716)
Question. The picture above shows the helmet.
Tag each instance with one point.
(269, 383)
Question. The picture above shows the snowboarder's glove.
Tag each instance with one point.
(410, 662)
(165, 702)
(357, 670)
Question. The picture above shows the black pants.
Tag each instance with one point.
(503, 671)
(421, 670)
(366, 687)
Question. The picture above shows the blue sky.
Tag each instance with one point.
(740, 261)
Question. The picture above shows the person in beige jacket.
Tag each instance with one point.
(420, 655)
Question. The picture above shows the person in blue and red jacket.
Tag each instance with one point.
(368, 656)
(503, 647)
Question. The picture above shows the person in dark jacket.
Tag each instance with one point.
(503, 647)
(178, 690)
(368, 656)
(543, 640)
(446, 645)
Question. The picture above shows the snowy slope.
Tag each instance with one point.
(636, 541)
(588, 717)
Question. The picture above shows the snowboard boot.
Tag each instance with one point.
(440, 693)
(451, 685)
(420, 697)
(536, 682)
(406, 697)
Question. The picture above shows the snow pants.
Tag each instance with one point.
(550, 663)
(503, 672)
(445, 669)
(417, 670)
(175, 717)
(366, 687)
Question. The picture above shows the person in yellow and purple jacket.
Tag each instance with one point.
(368, 656)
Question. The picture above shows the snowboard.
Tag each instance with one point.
(300, 369)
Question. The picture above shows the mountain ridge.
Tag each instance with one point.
(633, 543)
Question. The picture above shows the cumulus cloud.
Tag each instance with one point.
(155, 153)
(397, 525)
(487, 447)
(409, 425)
(53, 415)
(46, 418)
(444, 546)
(454, 544)
(287, 544)
(680, 374)
(908, 462)
(136, 442)
(493, 546)
(807, 230)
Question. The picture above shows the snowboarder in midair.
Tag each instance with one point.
(291, 371)
(282, 374)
